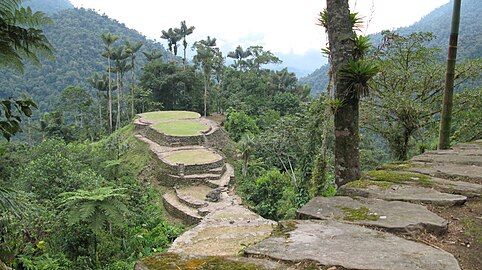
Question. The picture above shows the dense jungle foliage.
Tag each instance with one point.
(76, 188)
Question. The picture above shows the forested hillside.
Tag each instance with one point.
(76, 38)
(436, 22)
(48, 6)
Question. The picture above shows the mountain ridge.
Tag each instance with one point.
(437, 22)
(76, 38)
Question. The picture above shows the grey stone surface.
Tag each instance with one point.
(393, 216)
(404, 193)
(447, 170)
(462, 162)
(332, 243)
(224, 232)
(457, 187)
(452, 157)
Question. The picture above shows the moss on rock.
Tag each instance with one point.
(168, 261)
(363, 183)
(362, 213)
(399, 177)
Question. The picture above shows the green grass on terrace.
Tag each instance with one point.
(160, 116)
(181, 128)
(192, 157)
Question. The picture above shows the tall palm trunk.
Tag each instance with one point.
(118, 116)
(185, 47)
(206, 82)
(341, 36)
(109, 105)
(133, 74)
(446, 118)
(99, 96)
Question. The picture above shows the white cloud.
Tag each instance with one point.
(279, 25)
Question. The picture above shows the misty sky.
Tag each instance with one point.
(279, 25)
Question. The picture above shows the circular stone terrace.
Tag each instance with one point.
(176, 123)
(192, 157)
(163, 116)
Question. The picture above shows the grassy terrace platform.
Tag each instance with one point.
(161, 116)
(193, 157)
(181, 128)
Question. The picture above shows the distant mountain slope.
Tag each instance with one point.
(48, 6)
(437, 22)
(75, 36)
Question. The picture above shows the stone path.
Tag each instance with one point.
(393, 216)
(199, 192)
(331, 243)
(406, 193)
(355, 230)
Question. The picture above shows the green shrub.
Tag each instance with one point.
(239, 123)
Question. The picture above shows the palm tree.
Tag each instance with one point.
(183, 32)
(131, 50)
(101, 84)
(446, 117)
(239, 55)
(246, 147)
(109, 39)
(172, 36)
(153, 55)
(120, 68)
(207, 58)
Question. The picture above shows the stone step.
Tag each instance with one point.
(193, 196)
(218, 170)
(179, 210)
(448, 171)
(225, 232)
(225, 178)
(392, 216)
(454, 158)
(202, 177)
(331, 243)
(467, 189)
(398, 192)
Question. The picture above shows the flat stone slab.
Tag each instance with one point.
(406, 193)
(332, 243)
(224, 232)
(447, 170)
(393, 216)
(457, 187)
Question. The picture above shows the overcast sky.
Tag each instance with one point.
(279, 25)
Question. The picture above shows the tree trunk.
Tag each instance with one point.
(110, 98)
(117, 124)
(101, 124)
(245, 165)
(132, 88)
(185, 47)
(446, 118)
(341, 36)
(205, 95)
